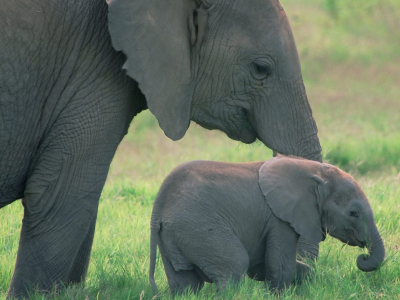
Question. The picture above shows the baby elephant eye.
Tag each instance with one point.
(354, 214)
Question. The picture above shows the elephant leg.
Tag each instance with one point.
(307, 253)
(257, 272)
(58, 226)
(81, 263)
(61, 199)
(307, 250)
(280, 256)
(219, 254)
(182, 281)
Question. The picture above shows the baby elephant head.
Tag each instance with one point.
(319, 198)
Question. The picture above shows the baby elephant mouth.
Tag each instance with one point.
(352, 240)
(349, 239)
(355, 242)
(361, 244)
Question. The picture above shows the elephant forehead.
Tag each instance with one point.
(259, 27)
(257, 20)
(346, 189)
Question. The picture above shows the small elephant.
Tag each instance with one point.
(216, 221)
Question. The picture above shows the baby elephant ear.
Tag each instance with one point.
(292, 188)
(154, 36)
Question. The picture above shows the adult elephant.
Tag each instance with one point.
(66, 103)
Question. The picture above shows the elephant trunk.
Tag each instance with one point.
(313, 153)
(371, 262)
(307, 144)
(316, 155)
(290, 129)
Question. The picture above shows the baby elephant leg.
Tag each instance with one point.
(280, 258)
(220, 256)
(257, 272)
(182, 280)
(303, 271)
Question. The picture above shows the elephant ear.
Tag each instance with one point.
(154, 36)
(293, 189)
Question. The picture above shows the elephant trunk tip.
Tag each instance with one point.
(368, 263)
(374, 260)
(363, 263)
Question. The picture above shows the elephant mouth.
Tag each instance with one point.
(244, 132)
(348, 238)
(353, 242)
(356, 243)
(248, 136)
(234, 123)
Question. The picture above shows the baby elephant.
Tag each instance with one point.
(217, 221)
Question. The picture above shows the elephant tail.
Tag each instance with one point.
(153, 255)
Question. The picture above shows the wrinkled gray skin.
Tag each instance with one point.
(214, 221)
(66, 103)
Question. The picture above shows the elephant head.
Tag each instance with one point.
(317, 199)
(227, 65)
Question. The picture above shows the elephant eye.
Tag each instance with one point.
(265, 70)
(195, 21)
(354, 214)
(260, 71)
(194, 27)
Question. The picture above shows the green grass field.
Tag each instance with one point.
(350, 54)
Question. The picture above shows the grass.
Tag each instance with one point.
(351, 65)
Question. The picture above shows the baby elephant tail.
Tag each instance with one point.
(153, 255)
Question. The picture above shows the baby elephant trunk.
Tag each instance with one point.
(371, 262)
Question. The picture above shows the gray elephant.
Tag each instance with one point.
(66, 103)
(217, 221)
